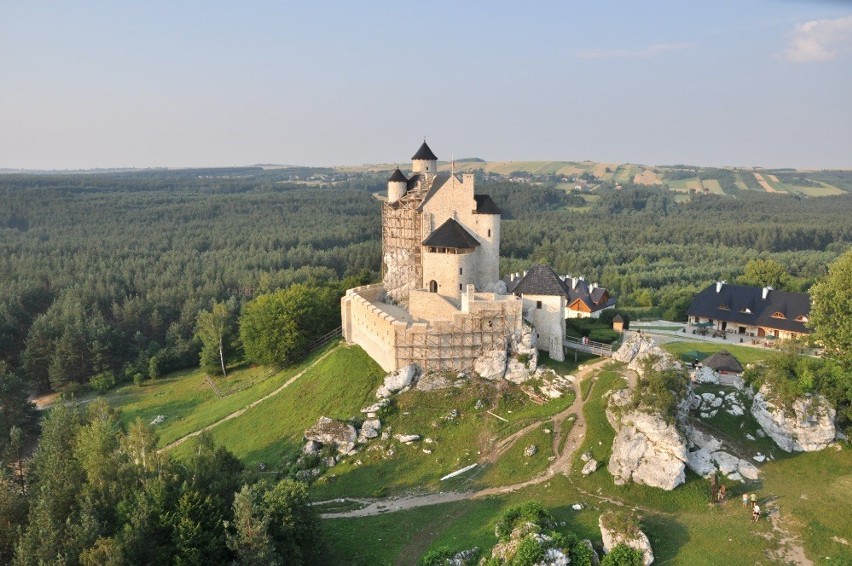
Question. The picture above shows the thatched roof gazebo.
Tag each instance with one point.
(723, 361)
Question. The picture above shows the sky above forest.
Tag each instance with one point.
(191, 83)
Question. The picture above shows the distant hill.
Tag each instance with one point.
(680, 178)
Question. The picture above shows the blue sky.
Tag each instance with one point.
(140, 84)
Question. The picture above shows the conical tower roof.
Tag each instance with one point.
(424, 153)
(397, 177)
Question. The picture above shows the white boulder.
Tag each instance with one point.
(491, 365)
(400, 379)
(808, 427)
(433, 381)
(334, 433)
(639, 348)
(370, 428)
(590, 466)
(705, 375)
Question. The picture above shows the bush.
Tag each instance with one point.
(437, 557)
(529, 512)
(529, 553)
(103, 381)
(623, 555)
(582, 555)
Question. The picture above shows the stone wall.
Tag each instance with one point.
(548, 322)
(368, 326)
(393, 341)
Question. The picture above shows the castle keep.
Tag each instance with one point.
(440, 303)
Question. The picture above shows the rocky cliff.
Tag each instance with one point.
(806, 426)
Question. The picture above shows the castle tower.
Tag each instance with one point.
(397, 185)
(424, 161)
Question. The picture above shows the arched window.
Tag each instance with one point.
(433, 286)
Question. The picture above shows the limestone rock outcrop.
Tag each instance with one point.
(328, 431)
(635, 539)
(639, 348)
(807, 427)
(646, 449)
(491, 365)
(506, 550)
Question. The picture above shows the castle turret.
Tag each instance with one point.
(424, 161)
(397, 185)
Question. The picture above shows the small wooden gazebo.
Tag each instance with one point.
(723, 362)
(618, 323)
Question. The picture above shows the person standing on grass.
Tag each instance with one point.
(753, 499)
(755, 513)
(722, 492)
(745, 499)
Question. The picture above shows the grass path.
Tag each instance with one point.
(254, 403)
(562, 464)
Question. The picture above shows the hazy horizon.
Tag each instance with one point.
(192, 84)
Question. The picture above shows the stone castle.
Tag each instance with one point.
(441, 303)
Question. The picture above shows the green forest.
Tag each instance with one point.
(106, 274)
(123, 277)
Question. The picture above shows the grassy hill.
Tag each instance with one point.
(810, 489)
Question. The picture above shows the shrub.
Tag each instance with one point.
(623, 555)
(437, 557)
(529, 512)
(103, 381)
(529, 553)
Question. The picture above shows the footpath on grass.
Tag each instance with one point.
(254, 403)
(562, 464)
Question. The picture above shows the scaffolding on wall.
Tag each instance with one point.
(402, 267)
(455, 346)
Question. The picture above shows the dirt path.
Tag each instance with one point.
(254, 403)
(562, 463)
(789, 549)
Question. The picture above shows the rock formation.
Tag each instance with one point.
(329, 432)
(647, 449)
(639, 348)
(633, 537)
(491, 365)
(806, 427)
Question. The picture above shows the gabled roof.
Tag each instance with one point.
(541, 280)
(595, 299)
(738, 297)
(723, 361)
(451, 234)
(438, 181)
(484, 205)
(425, 153)
(397, 177)
(412, 182)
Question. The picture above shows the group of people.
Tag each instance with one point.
(718, 492)
(751, 499)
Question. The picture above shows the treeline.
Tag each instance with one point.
(107, 273)
(654, 253)
(95, 493)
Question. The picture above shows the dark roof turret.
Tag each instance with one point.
(424, 153)
(397, 177)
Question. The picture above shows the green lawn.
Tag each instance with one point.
(514, 466)
(455, 443)
(189, 403)
(337, 387)
(745, 354)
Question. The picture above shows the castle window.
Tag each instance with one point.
(461, 271)
(489, 233)
(460, 286)
(538, 304)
